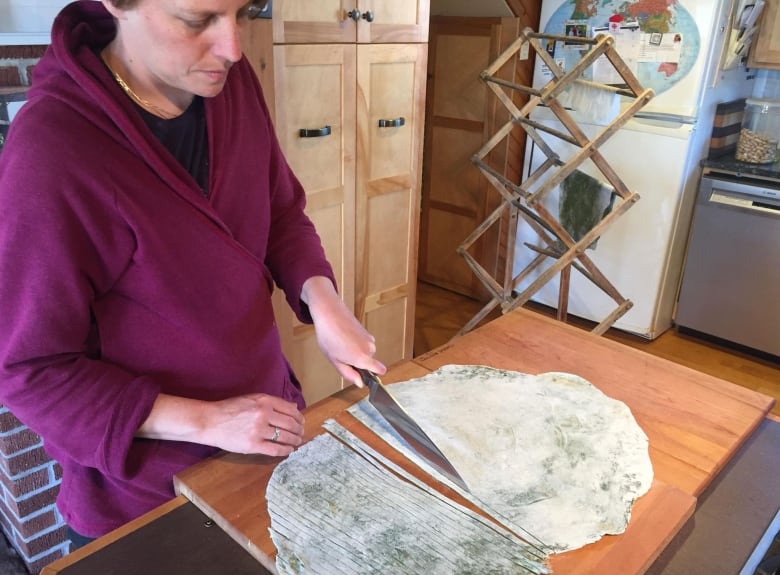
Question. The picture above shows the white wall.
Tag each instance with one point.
(25, 22)
(767, 84)
(29, 15)
(470, 8)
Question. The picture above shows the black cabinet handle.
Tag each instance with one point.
(368, 16)
(397, 123)
(354, 14)
(316, 133)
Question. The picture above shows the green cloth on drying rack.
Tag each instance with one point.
(584, 202)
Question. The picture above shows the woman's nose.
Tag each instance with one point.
(228, 41)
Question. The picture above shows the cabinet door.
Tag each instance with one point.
(315, 90)
(398, 21)
(391, 92)
(298, 21)
(257, 47)
(365, 21)
(766, 48)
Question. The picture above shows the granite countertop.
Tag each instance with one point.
(730, 165)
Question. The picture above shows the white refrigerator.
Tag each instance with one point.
(657, 154)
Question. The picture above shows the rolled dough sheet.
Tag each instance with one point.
(335, 512)
(548, 455)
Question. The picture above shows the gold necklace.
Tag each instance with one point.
(146, 104)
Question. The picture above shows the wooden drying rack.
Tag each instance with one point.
(520, 200)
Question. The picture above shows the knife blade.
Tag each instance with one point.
(402, 422)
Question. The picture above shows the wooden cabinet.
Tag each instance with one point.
(363, 21)
(390, 113)
(349, 117)
(766, 47)
(316, 91)
(257, 47)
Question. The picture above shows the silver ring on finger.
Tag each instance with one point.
(275, 436)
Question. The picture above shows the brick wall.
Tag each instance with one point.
(16, 64)
(29, 479)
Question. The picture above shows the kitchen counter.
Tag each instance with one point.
(181, 540)
(695, 423)
(175, 539)
(732, 514)
(729, 165)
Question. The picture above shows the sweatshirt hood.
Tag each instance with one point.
(71, 78)
(72, 63)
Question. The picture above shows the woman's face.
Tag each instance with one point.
(180, 46)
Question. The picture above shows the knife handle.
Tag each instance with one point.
(370, 379)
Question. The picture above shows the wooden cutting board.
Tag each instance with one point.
(695, 423)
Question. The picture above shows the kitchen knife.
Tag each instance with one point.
(407, 428)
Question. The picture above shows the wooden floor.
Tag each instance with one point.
(440, 314)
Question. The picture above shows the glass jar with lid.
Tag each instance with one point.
(760, 132)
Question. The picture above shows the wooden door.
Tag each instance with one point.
(398, 21)
(315, 91)
(462, 114)
(391, 92)
(310, 21)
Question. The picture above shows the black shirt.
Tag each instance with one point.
(186, 138)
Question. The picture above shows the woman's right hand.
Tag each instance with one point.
(254, 423)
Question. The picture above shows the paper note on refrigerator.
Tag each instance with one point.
(627, 43)
(658, 47)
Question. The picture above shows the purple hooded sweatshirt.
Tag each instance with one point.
(120, 281)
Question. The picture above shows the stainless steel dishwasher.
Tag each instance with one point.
(731, 281)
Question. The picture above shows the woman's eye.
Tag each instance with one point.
(198, 24)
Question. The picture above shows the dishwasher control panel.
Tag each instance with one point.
(741, 193)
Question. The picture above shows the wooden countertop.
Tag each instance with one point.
(695, 423)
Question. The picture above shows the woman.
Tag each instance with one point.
(147, 213)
